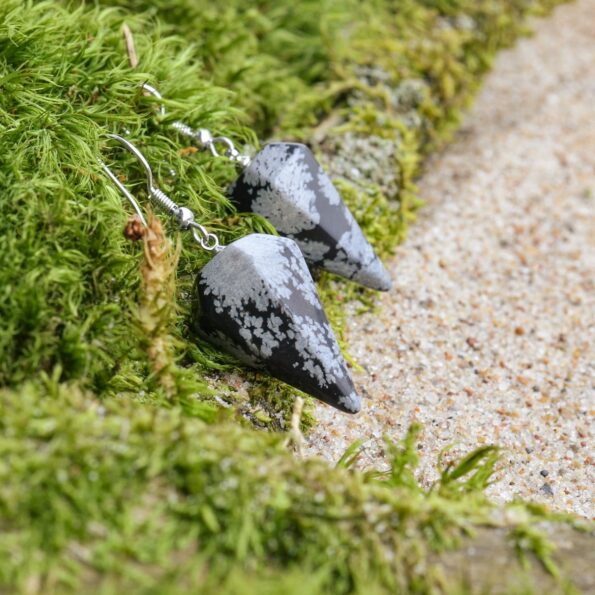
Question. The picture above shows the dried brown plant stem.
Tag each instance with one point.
(130, 46)
(295, 437)
(158, 299)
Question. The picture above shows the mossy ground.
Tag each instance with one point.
(119, 467)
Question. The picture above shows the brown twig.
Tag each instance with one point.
(295, 433)
(130, 47)
(158, 299)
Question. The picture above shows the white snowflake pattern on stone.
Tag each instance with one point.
(282, 172)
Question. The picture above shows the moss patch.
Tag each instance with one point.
(117, 496)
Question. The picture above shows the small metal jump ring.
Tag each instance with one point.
(230, 148)
(207, 240)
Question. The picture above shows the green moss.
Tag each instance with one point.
(107, 480)
(117, 494)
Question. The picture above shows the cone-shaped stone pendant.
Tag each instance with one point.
(285, 184)
(256, 299)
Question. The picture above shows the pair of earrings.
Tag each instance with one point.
(285, 184)
(256, 298)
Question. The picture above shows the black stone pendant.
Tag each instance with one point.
(256, 300)
(285, 184)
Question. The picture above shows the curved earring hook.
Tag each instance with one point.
(150, 89)
(142, 159)
(112, 176)
(185, 216)
(201, 136)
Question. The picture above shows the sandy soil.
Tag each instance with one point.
(489, 333)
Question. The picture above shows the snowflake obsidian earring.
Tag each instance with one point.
(285, 184)
(256, 300)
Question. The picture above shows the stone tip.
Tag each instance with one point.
(351, 403)
(385, 284)
(375, 277)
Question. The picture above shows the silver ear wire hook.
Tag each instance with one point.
(202, 137)
(112, 176)
(185, 217)
(152, 91)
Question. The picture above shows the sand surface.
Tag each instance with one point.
(489, 333)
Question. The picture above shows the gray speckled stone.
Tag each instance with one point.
(256, 299)
(285, 184)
